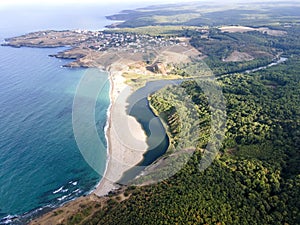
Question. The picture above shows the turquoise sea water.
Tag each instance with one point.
(40, 163)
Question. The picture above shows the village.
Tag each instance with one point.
(95, 40)
(102, 48)
(102, 41)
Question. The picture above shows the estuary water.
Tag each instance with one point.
(41, 166)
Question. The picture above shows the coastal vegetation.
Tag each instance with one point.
(255, 178)
(156, 30)
(136, 80)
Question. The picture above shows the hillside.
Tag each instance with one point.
(255, 178)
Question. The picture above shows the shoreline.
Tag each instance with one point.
(120, 157)
(106, 130)
(101, 183)
(122, 154)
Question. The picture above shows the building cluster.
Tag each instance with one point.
(102, 41)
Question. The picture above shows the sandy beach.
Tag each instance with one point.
(125, 137)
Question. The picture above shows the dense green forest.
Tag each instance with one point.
(262, 47)
(219, 46)
(256, 176)
(211, 13)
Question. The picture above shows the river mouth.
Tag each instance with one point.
(157, 138)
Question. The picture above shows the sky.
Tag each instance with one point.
(61, 2)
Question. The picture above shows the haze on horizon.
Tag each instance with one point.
(64, 2)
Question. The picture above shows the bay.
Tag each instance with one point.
(40, 163)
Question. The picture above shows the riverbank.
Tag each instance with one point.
(126, 146)
(126, 140)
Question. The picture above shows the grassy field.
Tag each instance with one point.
(213, 14)
(157, 30)
(137, 81)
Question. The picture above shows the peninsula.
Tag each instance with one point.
(131, 60)
(255, 177)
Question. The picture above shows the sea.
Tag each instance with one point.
(41, 166)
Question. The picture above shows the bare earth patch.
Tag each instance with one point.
(242, 29)
(237, 56)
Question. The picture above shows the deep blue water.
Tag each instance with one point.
(38, 150)
(40, 163)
